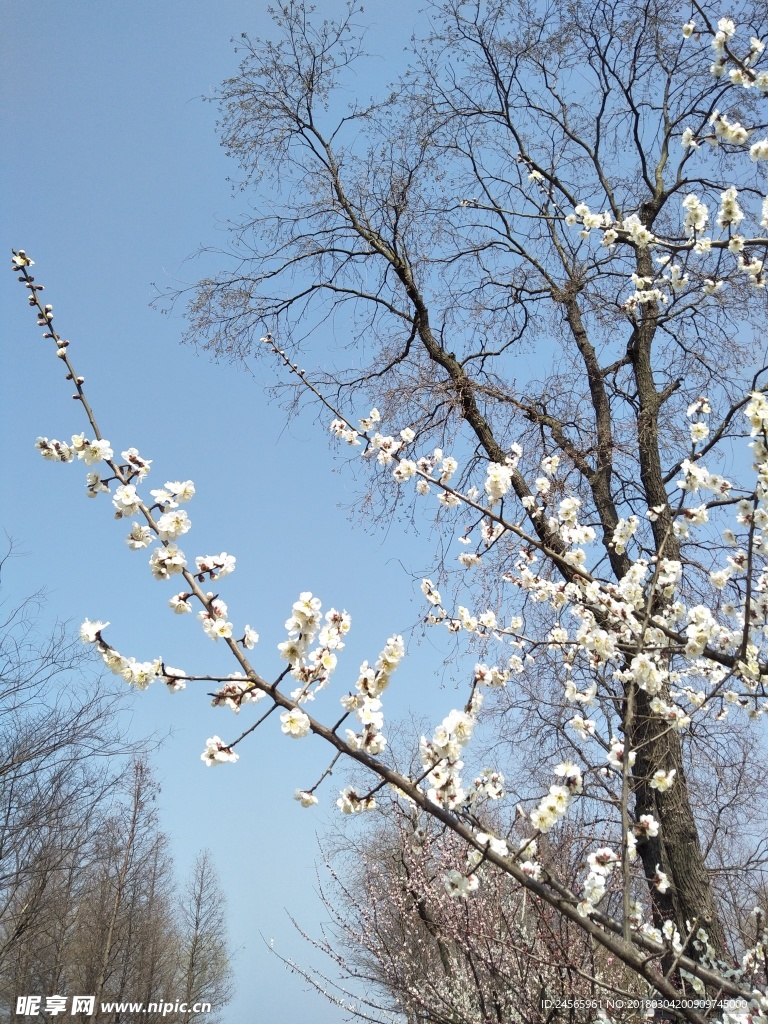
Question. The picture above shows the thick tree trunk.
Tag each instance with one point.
(677, 849)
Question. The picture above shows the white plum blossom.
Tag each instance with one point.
(141, 673)
(217, 628)
(498, 480)
(182, 490)
(404, 470)
(469, 559)
(138, 466)
(250, 638)
(498, 846)
(215, 567)
(646, 825)
(624, 530)
(460, 885)
(295, 723)
(236, 692)
(140, 537)
(166, 562)
(217, 752)
(584, 727)
(571, 776)
(637, 231)
(95, 485)
(728, 131)
(173, 524)
(725, 32)
(449, 500)
(615, 756)
(174, 679)
(663, 780)
(179, 604)
(660, 880)
(448, 467)
(54, 451)
(641, 631)
(696, 215)
(305, 798)
(89, 631)
(350, 802)
(730, 214)
(92, 451)
(368, 422)
(344, 432)
(126, 501)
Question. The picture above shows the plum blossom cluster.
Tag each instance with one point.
(217, 752)
(342, 430)
(214, 567)
(371, 683)
(554, 805)
(214, 619)
(442, 757)
(460, 885)
(610, 617)
(602, 863)
(743, 72)
(87, 451)
(672, 278)
(137, 673)
(313, 668)
(238, 690)
(351, 802)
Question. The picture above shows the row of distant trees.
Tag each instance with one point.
(88, 900)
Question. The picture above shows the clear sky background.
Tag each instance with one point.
(112, 177)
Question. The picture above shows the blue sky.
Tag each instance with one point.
(114, 176)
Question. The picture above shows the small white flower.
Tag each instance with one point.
(294, 723)
(662, 781)
(139, 537)
(660, 880)
(217, 752)
(305, 799)
(89, 631)
(179, 604)
(250, 638)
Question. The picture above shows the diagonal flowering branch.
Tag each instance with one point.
(633, 623)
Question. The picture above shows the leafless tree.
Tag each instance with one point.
(87, 893)
(60, 741)
(204, 961)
